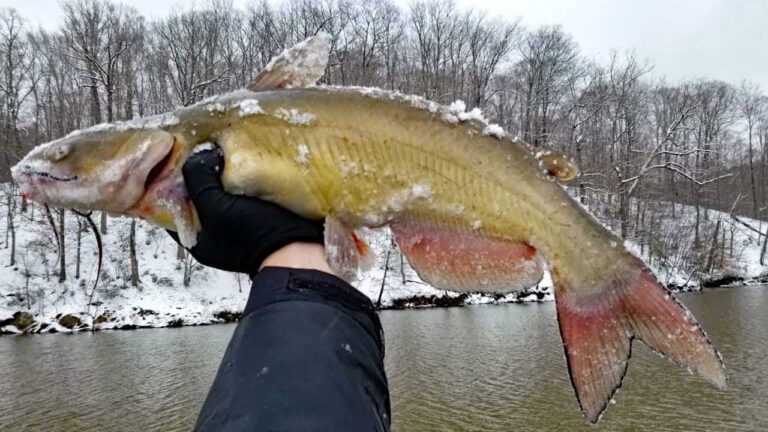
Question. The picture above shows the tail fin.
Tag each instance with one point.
(598, 323)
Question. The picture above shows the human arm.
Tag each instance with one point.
(308, 351)
(300, 255)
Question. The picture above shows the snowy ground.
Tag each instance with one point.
(161, 299)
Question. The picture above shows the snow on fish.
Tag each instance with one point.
(470, 207)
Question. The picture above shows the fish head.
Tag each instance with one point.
(101, 168)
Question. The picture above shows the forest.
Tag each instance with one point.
(674, 167)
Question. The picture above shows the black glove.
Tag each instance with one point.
(238, 232)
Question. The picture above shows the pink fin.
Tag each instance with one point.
(467, 261)
(345, 251)
(598, 327)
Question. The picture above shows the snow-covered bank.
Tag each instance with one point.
(160, 299)
(32, 299)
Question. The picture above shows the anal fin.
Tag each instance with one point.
(458, 260)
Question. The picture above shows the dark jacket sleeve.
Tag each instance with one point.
(307, 355)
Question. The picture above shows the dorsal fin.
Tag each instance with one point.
(301, 65)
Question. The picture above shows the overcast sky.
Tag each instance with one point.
(719, 39)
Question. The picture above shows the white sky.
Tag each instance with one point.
(719, 39)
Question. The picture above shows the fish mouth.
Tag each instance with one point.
(160, 170)
(25, 170)
(164, 197)
(39, 183)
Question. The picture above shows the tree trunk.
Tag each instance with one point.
(134, 260)
(755, 204)
(722, 249)
(696, 237)
(713, 248)
(110, 103)
(402, 268)
(26, 291)
(580, 164)
(62, 254)
(383, 279)
(624, 215)
(128, 107)
(11, 229)
(189, 263)
(95, 102)
(730, 244)
(79, 243)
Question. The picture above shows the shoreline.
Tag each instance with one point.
(23, 322)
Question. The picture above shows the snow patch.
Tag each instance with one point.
(454, 113)
(457, 111)
(421, 191)
(216, 107)
(294, 116)
(159, 121)
(494, 130)
(203, 147)
(250, 107)
(303, 154)
(347, 166)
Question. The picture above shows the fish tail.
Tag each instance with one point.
(600, 317)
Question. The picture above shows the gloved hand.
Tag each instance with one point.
(238, 232)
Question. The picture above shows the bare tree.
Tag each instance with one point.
(714, 100)
(187, 47)
(585, 101)
(751, 106)
(17, 80)
(490, 42)
(62, 245)
(546, 69)
(132, 255)
(628, 96)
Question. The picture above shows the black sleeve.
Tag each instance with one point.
(307, 355)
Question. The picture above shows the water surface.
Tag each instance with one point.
(484, 368)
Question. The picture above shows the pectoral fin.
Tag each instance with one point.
(169, 206)
(345, 251)
(468, 261)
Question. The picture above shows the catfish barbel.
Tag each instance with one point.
(471, 209)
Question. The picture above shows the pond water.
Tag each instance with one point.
(485, 368)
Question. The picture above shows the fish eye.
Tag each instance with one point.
(59, 152)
